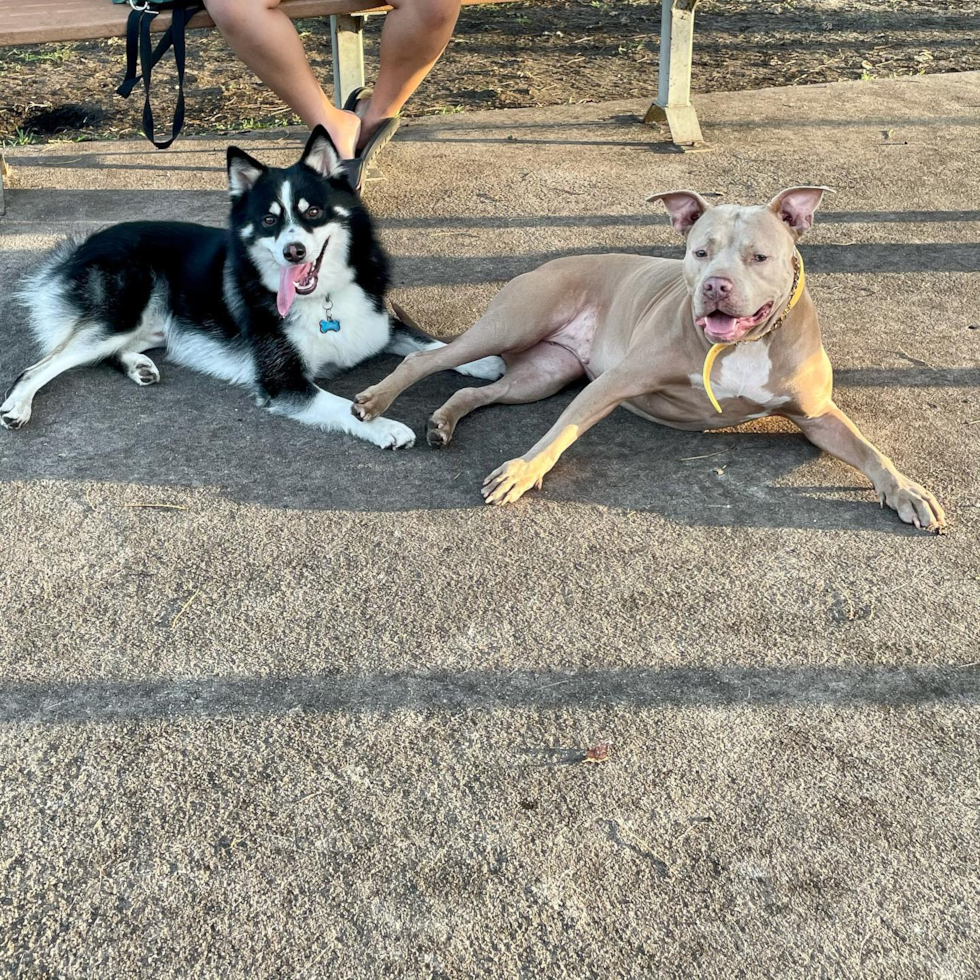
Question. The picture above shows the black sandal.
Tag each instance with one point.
(358, 95)
(357, 168)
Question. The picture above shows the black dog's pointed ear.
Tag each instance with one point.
(243, 171)
(321, 155)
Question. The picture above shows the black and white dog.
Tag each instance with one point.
(292, 289)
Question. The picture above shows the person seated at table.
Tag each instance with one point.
(414, 35)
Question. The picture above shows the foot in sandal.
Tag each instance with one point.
(373, 136)
(344, 128)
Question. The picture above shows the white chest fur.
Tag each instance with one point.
(363, 331)
(744, 373)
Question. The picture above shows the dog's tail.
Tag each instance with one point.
(406, 335)
(405, 321)
(47, 295)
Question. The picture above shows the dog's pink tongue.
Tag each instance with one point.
(288, 277)
(720, 324)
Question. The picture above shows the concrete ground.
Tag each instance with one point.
(323, 714)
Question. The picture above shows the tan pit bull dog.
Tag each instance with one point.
(725, 335)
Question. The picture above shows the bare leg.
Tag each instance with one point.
(510, 481)
(265, 39)
(836, 434)
(538, 373)
(415, 33)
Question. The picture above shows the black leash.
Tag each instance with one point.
(138, 43)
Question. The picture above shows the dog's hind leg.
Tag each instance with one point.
(87, 345)
(520, 315)
(537, 373)
(408, 338)
(374, 401)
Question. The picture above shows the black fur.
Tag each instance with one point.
(249, 304)
(112, 275)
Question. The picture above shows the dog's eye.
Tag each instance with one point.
(269, 219)
(313, 212)
(761, 258)
(701, 253)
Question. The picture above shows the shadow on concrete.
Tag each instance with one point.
(89, 162)
(42, 203)
(655, 216)
(917, 377)
(69, 209)
(191, 431)
(855, 259)
(451, 692)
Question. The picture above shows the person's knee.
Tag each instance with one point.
(441, 14)
(236, 15)
(226, 14)
(435, 15)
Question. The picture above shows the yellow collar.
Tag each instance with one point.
(716, 349)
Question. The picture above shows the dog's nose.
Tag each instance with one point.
(717, 287)
(294, 252)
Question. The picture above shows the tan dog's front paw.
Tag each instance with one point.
(914, 504)
(511, 481)
(370, 403)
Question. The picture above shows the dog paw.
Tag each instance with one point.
(487, 368)
(511, 481)
(389, 434)
(369, 404)
(142, 370)
(439, 432)
(15, 413)
(914, 505)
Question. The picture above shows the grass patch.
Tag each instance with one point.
(56, 53)
(20, 137)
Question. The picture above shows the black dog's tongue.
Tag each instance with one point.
(289, 275)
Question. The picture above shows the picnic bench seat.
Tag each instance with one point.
(40, 21)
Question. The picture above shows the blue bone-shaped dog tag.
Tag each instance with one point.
(327, 325)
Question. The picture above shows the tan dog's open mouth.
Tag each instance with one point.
(723, 328)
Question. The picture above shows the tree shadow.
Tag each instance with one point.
(191, 431)
(107, 700)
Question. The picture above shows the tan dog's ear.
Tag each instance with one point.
(796, 205)
(684, 208)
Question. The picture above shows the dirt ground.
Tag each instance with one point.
(549, 52)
